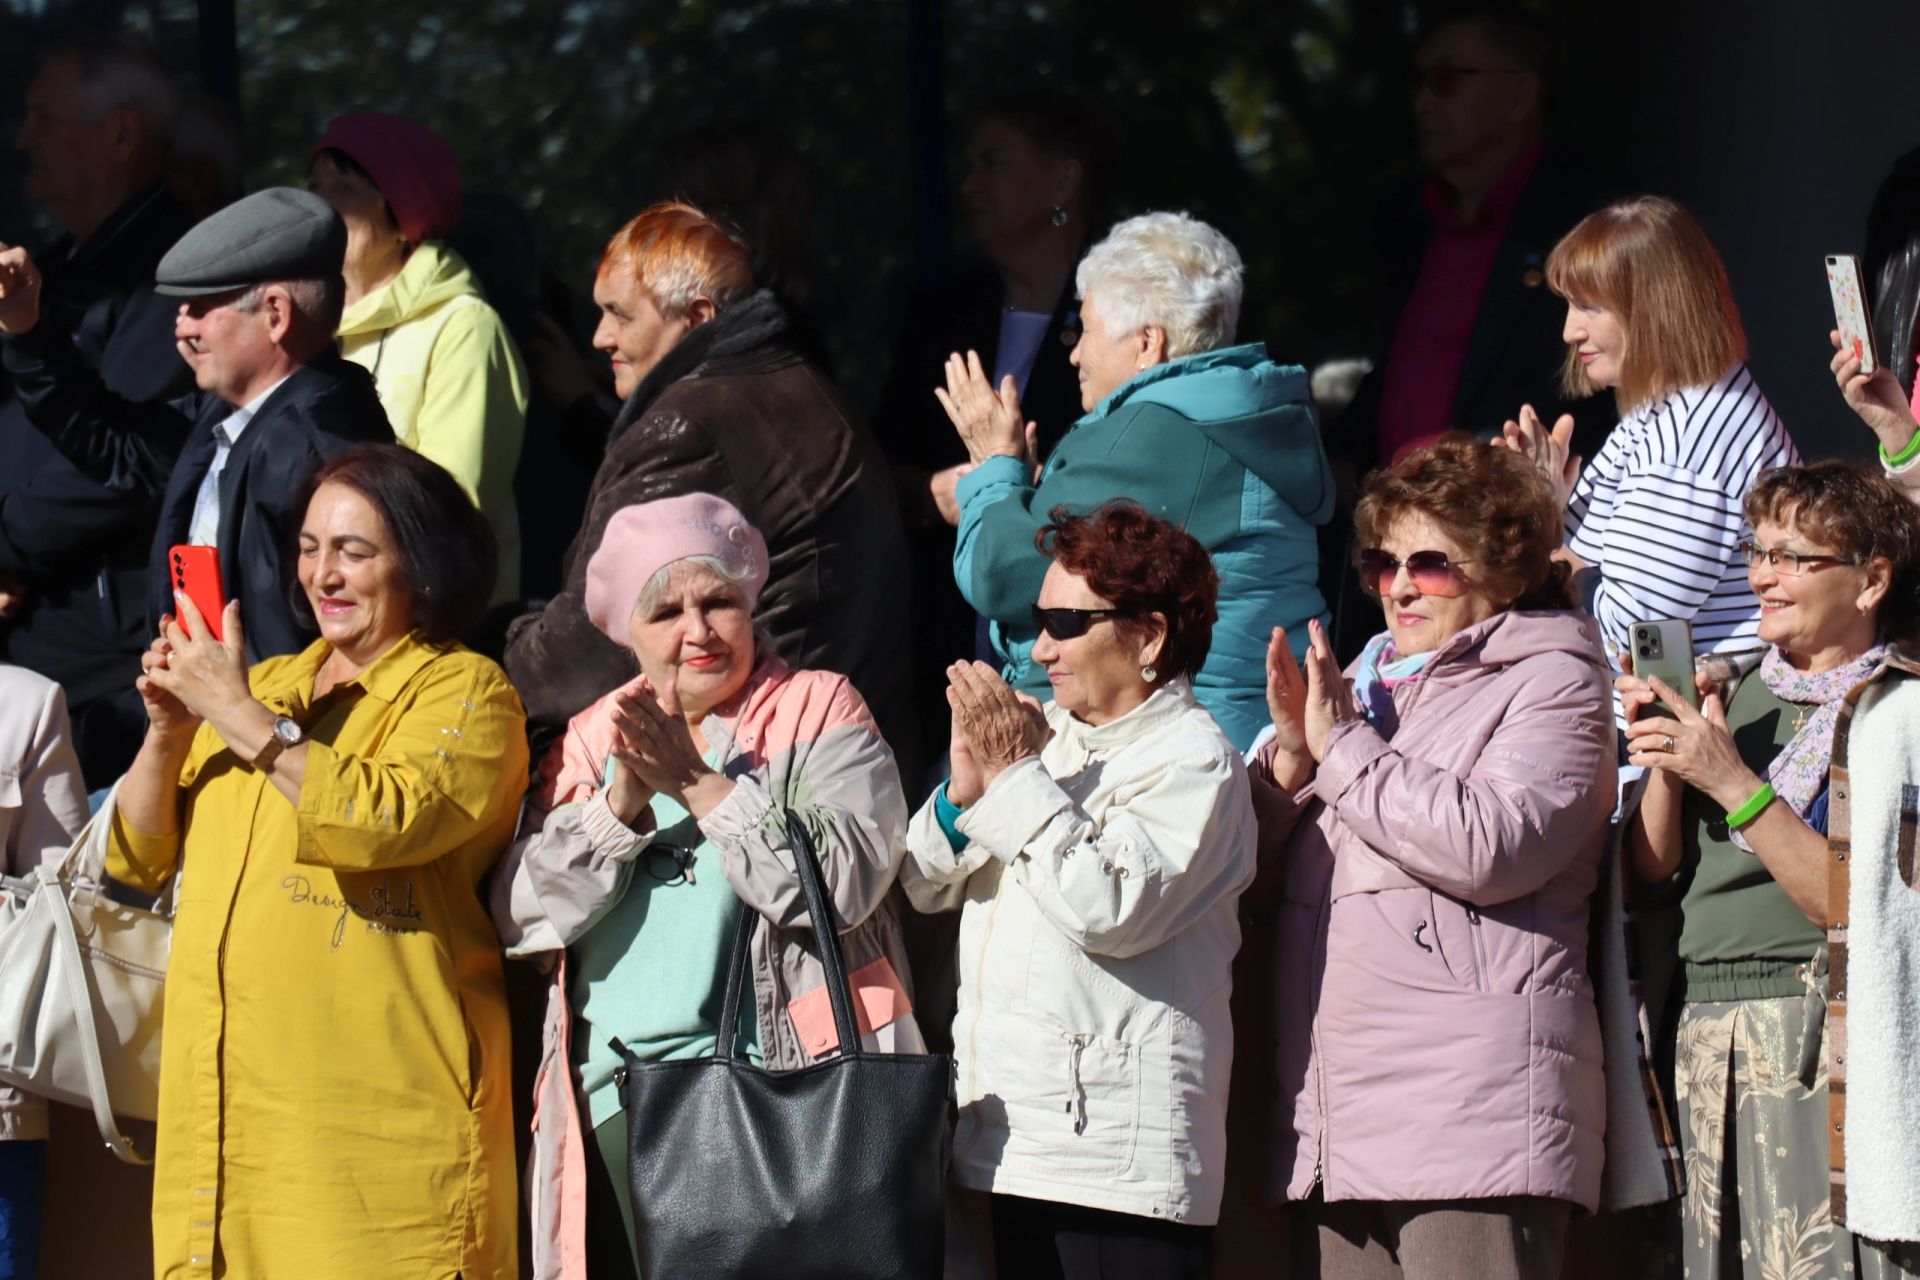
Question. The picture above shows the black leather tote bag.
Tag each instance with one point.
(837, 1169)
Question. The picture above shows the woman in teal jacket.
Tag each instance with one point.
(1218, 439)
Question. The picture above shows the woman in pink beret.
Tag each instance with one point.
(452, 382)
(661, 811)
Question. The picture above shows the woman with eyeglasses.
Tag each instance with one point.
(1736, 816)
(1654, 524)
(1439, 814)
(660, 812)
(1096, 850)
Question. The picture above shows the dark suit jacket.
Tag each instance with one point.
(1514, 355)
(82, 547)
(323, 408)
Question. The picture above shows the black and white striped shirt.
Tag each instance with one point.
(1658, 512)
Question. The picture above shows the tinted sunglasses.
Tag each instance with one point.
(1070, 624)
(1432, 572)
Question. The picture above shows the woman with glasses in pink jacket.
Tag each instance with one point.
(1443, 807)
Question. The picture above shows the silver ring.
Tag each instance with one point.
(1669, 744)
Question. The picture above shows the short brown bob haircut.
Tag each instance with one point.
(680, 255)
(1493, 502)
(1854, 512)
(1649, 262)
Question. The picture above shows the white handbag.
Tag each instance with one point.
(81, 984)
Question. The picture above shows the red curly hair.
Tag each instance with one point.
(1144, 565)
(680, 254)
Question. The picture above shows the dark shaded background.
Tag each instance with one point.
(1282, 122)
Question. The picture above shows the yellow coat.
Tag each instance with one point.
(452, 383)
(335, 1099)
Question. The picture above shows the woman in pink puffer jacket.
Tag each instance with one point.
(1442, 820)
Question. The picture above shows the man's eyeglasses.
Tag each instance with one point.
(1444, 81)
(1069, 624)
(1433, 574)
(1788, 564)
(670, 864)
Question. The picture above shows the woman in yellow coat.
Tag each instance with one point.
(334, 1090)
(451, 380)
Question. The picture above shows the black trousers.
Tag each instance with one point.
(1044, 1240)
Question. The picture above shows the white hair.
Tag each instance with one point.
(115, 73)
(735, 576)
(1170, 270)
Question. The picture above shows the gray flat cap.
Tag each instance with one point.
(281, 233)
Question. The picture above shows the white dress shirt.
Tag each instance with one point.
(203, 530)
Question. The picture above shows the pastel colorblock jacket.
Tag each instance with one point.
(1437, 1034)
(799, 741)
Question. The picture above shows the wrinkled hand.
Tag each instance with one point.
(19, 291)
(1001, 727)
(1876, 397)
(167, 717)
(1293, 760)
(965, 783)
(563, 375)
(988, 419)
(207, 676)
(944, 485)
(1703, 754)
(13, 594)
(653, 739)
(1551, 451)
(1329, 697)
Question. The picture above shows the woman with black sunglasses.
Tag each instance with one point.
(659, 813)
(1439, 814)
(1096, 850)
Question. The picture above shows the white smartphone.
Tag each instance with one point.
(1662, 648)
(1850, 316)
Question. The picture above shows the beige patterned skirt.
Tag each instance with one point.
(1755, 1137)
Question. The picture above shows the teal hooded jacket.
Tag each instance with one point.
(1224, 444)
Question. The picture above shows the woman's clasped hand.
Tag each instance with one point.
(1664, 731)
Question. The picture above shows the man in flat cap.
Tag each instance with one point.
(98, 121)
(260, 290)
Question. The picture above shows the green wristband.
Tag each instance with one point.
(1751, 809)
(1903, 457)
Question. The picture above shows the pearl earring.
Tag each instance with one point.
(1148, 674)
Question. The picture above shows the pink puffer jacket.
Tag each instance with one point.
(1436, 1029)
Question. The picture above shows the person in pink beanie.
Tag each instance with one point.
(451, 380)
(661, 811)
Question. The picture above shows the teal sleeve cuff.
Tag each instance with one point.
(947, 814)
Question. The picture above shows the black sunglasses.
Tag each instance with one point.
(1069, 624)
(670, 864)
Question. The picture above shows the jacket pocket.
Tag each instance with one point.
(1453, 928)
(1071, 1098)
(1909, 819)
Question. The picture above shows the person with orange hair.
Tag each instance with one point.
(1654, 525)
(718, 401)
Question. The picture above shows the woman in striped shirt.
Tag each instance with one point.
(1654, 525)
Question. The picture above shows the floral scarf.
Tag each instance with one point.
(1381, 671)
(1799, 772)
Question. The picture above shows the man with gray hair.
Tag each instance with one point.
(259, 292)
(73, 555)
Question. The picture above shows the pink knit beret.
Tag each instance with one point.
(410, 163)
(641, 540)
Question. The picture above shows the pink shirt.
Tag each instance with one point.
(1430, 341)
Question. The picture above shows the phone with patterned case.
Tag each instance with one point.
(1850, 309)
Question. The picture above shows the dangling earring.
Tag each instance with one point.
(1148, 674)
(1059, 216)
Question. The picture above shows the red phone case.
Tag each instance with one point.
(196, 574)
